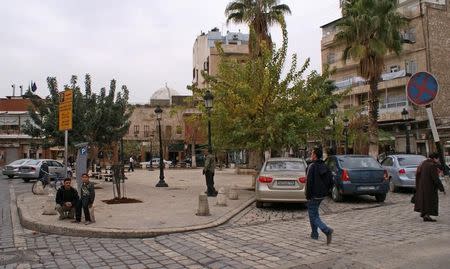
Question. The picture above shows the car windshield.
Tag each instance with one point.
(358, 162)
(285, 165)
(18, 162)
(410, 160)
(33, 162)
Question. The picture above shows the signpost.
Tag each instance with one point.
(65, 118)
(422, 89)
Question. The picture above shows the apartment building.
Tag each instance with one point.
(14, 143)
(426, 48)
(206, 57)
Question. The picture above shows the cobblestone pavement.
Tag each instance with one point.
(273, 237)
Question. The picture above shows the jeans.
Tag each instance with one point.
(314, 218)
(83, 203)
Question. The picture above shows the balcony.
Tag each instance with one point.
(359, 85)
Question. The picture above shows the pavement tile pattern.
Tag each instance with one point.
(273, 237)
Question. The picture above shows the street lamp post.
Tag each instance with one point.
(161, 183)
(346, 135)
(152, 136)
(333, 111)
(405, 116)
(209, 104)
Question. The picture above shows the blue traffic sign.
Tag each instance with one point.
(422, 88)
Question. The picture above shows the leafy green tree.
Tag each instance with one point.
(369, 30)
(258, 108)
(259, 15)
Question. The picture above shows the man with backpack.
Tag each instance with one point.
(318, 185)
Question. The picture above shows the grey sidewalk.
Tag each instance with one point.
(163, 210)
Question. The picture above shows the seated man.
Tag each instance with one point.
(66, 200)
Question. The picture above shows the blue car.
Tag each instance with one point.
(357, 175)
(402, 170)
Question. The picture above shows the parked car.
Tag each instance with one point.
(281, 180)
(402, 170)
(12, 169)
(357, 175)
(155, 163)
(32, 168)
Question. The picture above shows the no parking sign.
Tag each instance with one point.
(422, 88)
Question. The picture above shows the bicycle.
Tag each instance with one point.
(46, 181)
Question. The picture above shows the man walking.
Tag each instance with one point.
(208, 171)
(66, 200)
(87, 197)
(318, 185)
(131, 167)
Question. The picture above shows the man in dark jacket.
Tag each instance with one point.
(427, 186)
(318, 185)
(87, 197)
(66, 200)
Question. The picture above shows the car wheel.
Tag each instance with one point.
(26, 180)
(380, 197)
(392, 186)
(336, 195)
(10, 176)
(259, 204)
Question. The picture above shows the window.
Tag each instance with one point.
(193, 73)
(411, 67)
(179, 130)
(388, 162)
(409, 36)
(146, 131)
(331, 57)
(136, 129)
(331, 164)
(168, 133)
(394, 68)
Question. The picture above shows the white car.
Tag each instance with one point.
(155, 163)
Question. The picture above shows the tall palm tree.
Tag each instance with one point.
(369, 30)
(259, 15)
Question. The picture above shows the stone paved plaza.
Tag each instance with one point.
(273, 237)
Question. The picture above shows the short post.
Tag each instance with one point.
(203, 206)
(233, 194)
(222, 197)
(49, 208)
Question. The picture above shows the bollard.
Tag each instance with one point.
(233, 195)
(39, 188)
(49, 208)
(203, 207)
(91, 213)
(222, 197)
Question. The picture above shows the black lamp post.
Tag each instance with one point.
(161, 183)
(405, 116)
(345, 120)
(333, 111)
(209, 104)
(152, 136)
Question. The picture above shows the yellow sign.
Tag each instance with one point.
(65, 110)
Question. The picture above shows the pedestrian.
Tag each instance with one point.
(208, 171)
(66, 200)
(427, 186)
(318, 185)
(87, 197)
(131, 167)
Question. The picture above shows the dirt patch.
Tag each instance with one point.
(122, 201)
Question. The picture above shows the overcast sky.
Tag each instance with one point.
(142, 44)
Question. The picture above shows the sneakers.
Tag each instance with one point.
(87, 222)
(76, 221)
(329, 236)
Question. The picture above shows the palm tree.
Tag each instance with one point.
(259, 15)
(369, 30)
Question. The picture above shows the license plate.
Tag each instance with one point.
(286, 182)
(367, 188)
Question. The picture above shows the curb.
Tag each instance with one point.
(29, 223)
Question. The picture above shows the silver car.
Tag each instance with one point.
(402, 170)
(12, 169)
(32, 168)
(281, 180)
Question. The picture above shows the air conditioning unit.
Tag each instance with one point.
(408, 38)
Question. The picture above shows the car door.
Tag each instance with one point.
(389, 165)
(59, 168)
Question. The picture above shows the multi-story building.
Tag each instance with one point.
(426, 48)
(14, 143)
(206, 57)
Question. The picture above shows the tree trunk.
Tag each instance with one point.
(373, 118)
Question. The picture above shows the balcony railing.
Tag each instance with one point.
(358, 81)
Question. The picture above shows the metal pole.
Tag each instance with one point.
(437, 140)
(408, 145)
(161, 182)
(66, 148)
(151, 155)
(346, 141)
(209, 131)
(333, 140)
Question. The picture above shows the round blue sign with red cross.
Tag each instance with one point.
(422, 88)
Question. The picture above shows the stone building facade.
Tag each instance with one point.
(426, 48)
